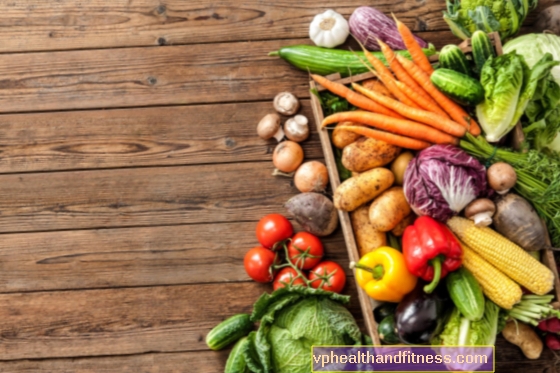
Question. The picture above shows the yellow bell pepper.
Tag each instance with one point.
(382, 273)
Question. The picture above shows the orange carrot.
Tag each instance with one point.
(390, 138)
(455, 111)
(418, 115)
(377, 86)
(396, 67)
(422, 100)
(403, 127)
(354, 98)
(414, 48)
(386, 77)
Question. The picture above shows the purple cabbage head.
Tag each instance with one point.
(442, 180)
(368, 24)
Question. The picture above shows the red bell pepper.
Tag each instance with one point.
(430, 251)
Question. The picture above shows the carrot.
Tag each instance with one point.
(398, 126)
(422, 100)
(418, 115)
(377, 86)
(386, 77)
(354, 98)
(397, 68)
(455, 111)
(414, 48)
(390, 138)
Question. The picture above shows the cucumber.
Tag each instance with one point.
(452, 57)
(466, 293)
(326, 61)
(229, 331)
(386, 330)
(236, 361)
(460, 87)
(383, 311)
(482, 49)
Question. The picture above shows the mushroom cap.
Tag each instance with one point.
(501, 176)
(268, 126)
(478, 206)
(297, 128)
(286, 103)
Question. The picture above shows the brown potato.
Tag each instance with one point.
(399, 228)
(399, 166)
(366, 153)
(367, 238)
(389, 209)
(356, 191)
(341, 138)
(524, 337)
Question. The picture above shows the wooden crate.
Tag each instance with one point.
(367, 304)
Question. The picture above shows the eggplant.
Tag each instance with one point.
(420, 316)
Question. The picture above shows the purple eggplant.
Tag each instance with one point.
(369, 24)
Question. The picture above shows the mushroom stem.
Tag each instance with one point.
(277, 172)
(505, 191)
(279, 135)
(482, 219)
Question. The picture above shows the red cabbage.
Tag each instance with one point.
(442, 180)
(368, 24)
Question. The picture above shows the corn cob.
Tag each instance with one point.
(499, 288)
(504, 255)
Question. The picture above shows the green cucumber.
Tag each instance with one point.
(460, 87)
(236, 361)
(386, 330)
(326, 61)
(466, 293)
(229, 331)
(482, 49)
(452, 57)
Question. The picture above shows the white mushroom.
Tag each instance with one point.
(286, 103)
(269, 127)
(481, 211)
(297, 128)
(501, 177)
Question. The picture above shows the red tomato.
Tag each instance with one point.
(258, 262)
(305, 250)
(328, 276)
(285, 276)
(272, 229)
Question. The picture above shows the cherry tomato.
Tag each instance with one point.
(272, 229)
(305, 250)
(258, 262)
(285, 276)
(328, 276)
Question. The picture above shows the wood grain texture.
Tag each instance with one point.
(75, 24)
(145, 256)
(200, 134)
(122, 321)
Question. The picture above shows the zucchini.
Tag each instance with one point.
(460, 87)
(326, 61)
(482, 49)
(383, 311)
(466, 293)
(452, 57)
(229, 331)
(236, 360)
(386, 330)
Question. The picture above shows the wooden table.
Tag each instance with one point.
(132, 176)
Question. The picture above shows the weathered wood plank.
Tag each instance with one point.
(134, 256)
(141, 197)
(121, 321)
(163, 136)
(74, 24)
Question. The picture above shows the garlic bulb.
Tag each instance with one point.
(329, 29)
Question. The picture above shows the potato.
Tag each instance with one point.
(399, 228)
(524, 337)
(389, 209)
(358, 190)
(341, 138)
(367, 238)
(366, 153)
(399, 166)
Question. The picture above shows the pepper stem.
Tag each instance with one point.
(377, 272)
(436, 263)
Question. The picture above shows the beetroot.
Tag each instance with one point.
(552, 341)
(542, 326)
(553, 325)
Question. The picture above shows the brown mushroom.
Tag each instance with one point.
(286, 103)
(501, 177)
(269, 127)
(297, 128)
(481, 211)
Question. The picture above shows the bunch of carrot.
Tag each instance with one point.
(405, 108)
